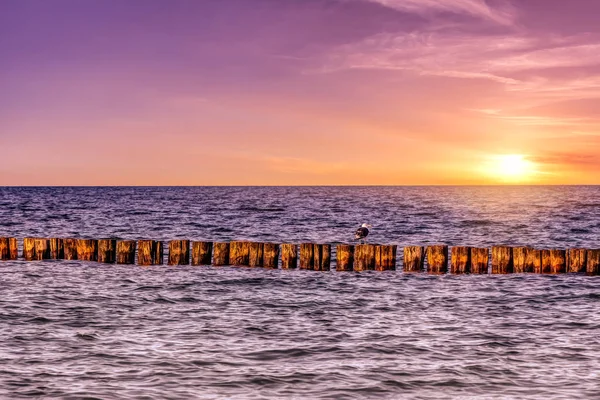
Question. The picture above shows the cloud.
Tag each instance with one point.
(519, 61)
(567, 159)
(538, 120)
(574, 55)
(466, 56)
(502, 15)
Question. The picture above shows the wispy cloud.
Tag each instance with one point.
(562, 158)
(518, 61)
(504, 15)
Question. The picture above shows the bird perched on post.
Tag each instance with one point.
(362, 232)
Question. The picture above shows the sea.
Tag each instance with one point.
(74, 330)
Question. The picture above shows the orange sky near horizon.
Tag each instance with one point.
(471, 93)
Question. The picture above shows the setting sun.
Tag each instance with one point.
(510, 168)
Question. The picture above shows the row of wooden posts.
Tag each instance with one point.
(361, 257)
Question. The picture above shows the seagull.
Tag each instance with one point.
(362, 232)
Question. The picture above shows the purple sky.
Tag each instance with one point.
(298, 91)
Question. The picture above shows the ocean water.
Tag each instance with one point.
(73, 330)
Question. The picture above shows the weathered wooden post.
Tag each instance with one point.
(179, 252)
(57, 249)
(255, 254)
(345, 257)
(364, 257)
(576, 260)
(9, 249)
(271, 255)
(126, 251)
(42, 249)
(322, 257)
(202, 253)
(4, 251)
(107, 251)
(307, 256)
(150, 252)
(523, 260)
(70, 248)
(385, 257)
(13, 248)
(437, 259)
(87, 249)
(480, 260)
(534, 261)
(460, 261)
(546, 263)
(239, 253)
(502, 260)
(289, 256)
(553, 261)
(414, 259)
(221, 254)
(159, 252)
(5, 248)
(145, 253)
(558, 261)
(593, 262)
(29, 249)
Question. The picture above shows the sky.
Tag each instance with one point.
(299, 92)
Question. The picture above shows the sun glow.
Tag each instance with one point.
(513, 168)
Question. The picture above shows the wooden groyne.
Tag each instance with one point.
(433, 259)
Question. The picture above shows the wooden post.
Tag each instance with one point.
(221, 254)
(576, 260)
(13, 248)
(520, 260)
(202, 253)
(502, 260)
(107, 251)
(87, 249)
(255, 254)
(145, 252)
(558, 261)
(5, 248)
(593, 262)
(534, 261)
(42, 249)
(460, 262)
(179, 252)
(149, 252)
(271, 255)
(322, 257)
(414, 259)
(364, 257)
(546, 262)
(385, 257)
(70, 249)
(307, 256)
(9, 249)
(437, 259)
(29, 249)
(57, 249)
(239, 253)
(289, 256)
(4, 251)
(345, 257)
(126, 251)
(159, 252)
(480, 260)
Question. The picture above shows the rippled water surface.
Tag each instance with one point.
(70, 329)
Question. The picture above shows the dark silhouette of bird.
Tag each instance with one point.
(362, 232)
